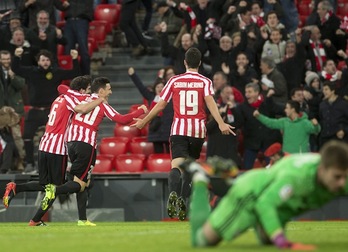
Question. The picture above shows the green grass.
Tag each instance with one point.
(154, 236)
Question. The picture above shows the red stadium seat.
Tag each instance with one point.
(97, 30)
(130, 163)
(60, 50)
(113, 145)
(141, 147)
(103, 163)
(109, 13)
(158, 163)
(342, 8)
(303, 9)
(126, 131)
(65, 62)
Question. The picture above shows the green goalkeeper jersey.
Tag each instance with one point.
(289, 188)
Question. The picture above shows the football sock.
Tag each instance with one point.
(174, 182)
(186, 185)
(29, 187)
(40, 213)
(68, 187)
(81, 198)
(199, 209)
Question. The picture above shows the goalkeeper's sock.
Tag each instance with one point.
(199, 208)
(81, 198)
(30, 187)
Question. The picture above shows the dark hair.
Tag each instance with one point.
(256, 2)
(243, 10)
(193, 57)
(335, 154)
(270, 13)
(4, 52)
(81, 82)
(157, 82)
(294, 90)
(331, 85)
(45, 53)
(99, 83)
(295, 105)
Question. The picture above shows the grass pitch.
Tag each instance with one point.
(154, 236)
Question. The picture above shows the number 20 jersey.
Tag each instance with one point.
(188, 91)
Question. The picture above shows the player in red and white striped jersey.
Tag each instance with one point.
(82, 139)
(52, 153)
(190, 92)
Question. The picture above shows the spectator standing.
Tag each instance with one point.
(32, 7)
(78, 14)
(42, 82)
(333, 115)
(158, 128)
(11, 86)
(295, 126)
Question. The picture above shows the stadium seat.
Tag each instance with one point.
(60, 24)
(109, 13)
(103, 163)
(303, 9)
(97, 30)
(342, 8)
(130, 163)
(113, 145)
(158, 163)
(341, 65)
(60, 50)
(126, 131)
(65, 62)
(141, 147)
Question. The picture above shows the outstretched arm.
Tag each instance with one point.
(140, 123)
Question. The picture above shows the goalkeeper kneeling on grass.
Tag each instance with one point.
(266, 199)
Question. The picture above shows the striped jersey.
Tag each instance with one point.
(84, 127)
(53, 140)
(188, 91)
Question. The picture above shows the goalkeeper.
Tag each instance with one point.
(266, 199)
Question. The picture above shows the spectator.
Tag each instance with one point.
(340, 77)
(47, 36)
(296, 127)
(78, 14)
(274, 153)
(158, 128)
(318, 51)
(333, 115)
(174, 23)
(296, 94)
(32, 7)
(11, 86)
(243, 73)
(274, 47)
(257, 137)
(229, 149)
(292, 66)
(273, 80)
(6, 8)
(128, 25)
(8, 149)
(42, 82)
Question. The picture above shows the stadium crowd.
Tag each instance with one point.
(279, 73)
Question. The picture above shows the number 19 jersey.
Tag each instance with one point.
(188, 91)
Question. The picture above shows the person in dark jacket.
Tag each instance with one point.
(78, 14)
(42, 81)
(257, 137)
(159, 128)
